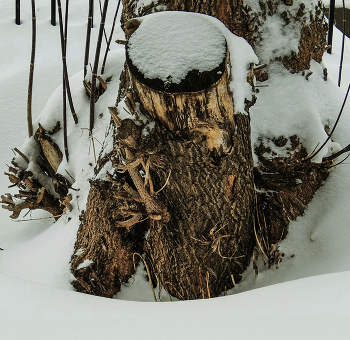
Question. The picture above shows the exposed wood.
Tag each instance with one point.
(207, 113)
(50, 149)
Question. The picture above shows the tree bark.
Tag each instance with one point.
(198, 192)
(190, 180)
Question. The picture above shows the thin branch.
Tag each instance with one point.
(37, 219)
(53, 12)
(65, 133)
(342, 46)
(65, 72)
(110, 38)
(18, 12)
(104, 30)
(88, 37)
(336, 155)
(331, 24)
(94, 71)
(334, 127)
(22, 154)
(341, 162)
(31, 74)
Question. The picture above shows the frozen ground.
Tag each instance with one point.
(306, 297)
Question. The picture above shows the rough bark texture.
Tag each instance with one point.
(285, 185)
(208, 241)
(105, 242)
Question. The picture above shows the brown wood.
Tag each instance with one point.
(103, 241)
(34, 193)
(197, 195)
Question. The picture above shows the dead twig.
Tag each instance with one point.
(165, 184)
(110, 38)
(88, 36)
(31, 74)
(22, 155)
(37, 219)
(64, 62)
(94, 71)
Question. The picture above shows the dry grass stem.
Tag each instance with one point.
(164, 184)
(22, 155)
(148, 273)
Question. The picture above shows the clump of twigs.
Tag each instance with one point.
(32, 194)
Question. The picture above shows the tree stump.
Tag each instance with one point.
(206, 163)
(190, 165)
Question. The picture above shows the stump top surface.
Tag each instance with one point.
(168, 45)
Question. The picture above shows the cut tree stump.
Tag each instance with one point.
(192, 172)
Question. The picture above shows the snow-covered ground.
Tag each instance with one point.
(36, 298)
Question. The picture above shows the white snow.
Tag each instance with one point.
(197, 44)
(291, 302)
(278, 39)
(143, 3)
(84, 264)
(165, 46)
(313, 308)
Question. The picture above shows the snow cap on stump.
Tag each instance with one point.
(174, 51)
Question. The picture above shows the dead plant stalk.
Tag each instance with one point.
(342, 47)
(94, 71)
(110, 38)
(88, 37)
(31, 74)
(64, 62)
(65, 133)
